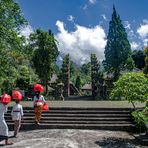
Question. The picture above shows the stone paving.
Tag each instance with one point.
(85, 104)
(73, 138)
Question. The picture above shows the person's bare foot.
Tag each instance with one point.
(8, 143)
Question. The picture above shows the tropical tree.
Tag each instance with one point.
(86, 68)
(11, 18)
(129, 65)
(26, 77)
(11, 45)
(138, 57)
(65, 75)
(132, 87)
(78, 83)
(117, 49)
(45, 53)
(85, 73)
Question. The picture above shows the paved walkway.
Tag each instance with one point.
(86, 104)
(70, 138)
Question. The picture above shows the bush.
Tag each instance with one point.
(141, 118)
(131, 86)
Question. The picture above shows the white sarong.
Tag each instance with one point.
(17, 112)
(3, 125)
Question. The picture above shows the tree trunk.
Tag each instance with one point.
(46, 90)
(133, 105)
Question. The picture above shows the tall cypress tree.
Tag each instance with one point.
(94, 73)
(118, 49)
(65, 75)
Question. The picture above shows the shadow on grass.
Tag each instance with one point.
(117, 143)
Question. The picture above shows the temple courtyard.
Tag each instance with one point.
(74, 138)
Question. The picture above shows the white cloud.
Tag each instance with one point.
(127, 25)
(145, 42)
(70, 18)
(143, 30)
(26, 31)
(134, 45)
(85, 7)
(92, 1)
(129, 30)
(132, 37)
(104, 17)
(81, 43)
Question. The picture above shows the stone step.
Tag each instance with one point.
(78, 115)
(74, 122)
(81, 118)
(79, 111)
(78, 118)
(30, 126)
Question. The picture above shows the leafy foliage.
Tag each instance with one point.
(141, 118)
(129, 65)
(26, 77)
(11, 19)
(78, 83)
(138, 57)
(146, 61)
(11, 45)
(132, 87)
(44, 55)
(86, 68)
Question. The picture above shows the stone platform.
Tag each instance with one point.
(84, 104)
(70, 138)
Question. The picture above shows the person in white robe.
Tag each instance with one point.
(17, 114)
(3, 125)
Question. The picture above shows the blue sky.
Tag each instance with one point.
(81, 26)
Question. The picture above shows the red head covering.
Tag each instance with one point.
(17, 95)
(5, 98)
(38, 87)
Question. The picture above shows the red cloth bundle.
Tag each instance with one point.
(17, 95)
(45, 107)
(6, 98)
(38, 87)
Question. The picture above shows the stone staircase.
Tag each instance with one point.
(77, 118)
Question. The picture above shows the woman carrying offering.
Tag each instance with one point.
(38, 102)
